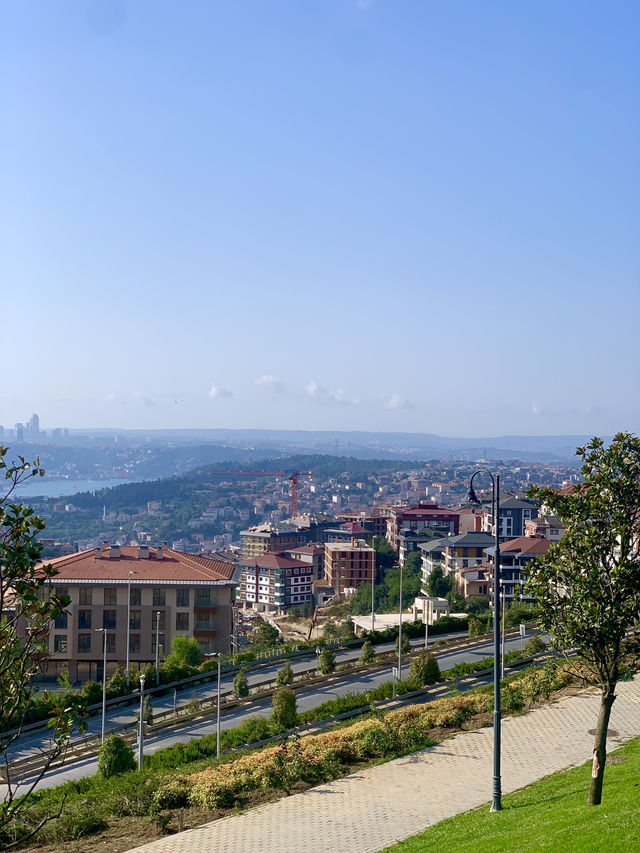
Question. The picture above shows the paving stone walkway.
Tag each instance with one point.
(370, 810)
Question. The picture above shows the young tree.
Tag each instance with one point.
(186, 650)
(406, 644)
(326, 662)
(385, 555)
(115, 756)
(29, 606)
(240, 685)
(285, 675)
(368, 655)
(284, 714)
(424, 669)
(588, 584)
(265, 635)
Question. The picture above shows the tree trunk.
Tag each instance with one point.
(600, 746)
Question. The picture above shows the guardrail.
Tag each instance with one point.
(88, 747)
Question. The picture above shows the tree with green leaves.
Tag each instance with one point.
(186, 650)
(413, 562)
(386, 557)
(240, 685)
(285, 675)
(438, 585)
(588, 584)
(368, 655)
(284, 714)
(265, 635)
(424, 669)
(115, 756)
(406, 644)
(326, 662)
(27, 598)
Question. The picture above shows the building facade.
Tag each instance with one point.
(274, 582)
(116, 595)
(423, 516)
(347, 565)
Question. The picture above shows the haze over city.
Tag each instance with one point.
(347, 214)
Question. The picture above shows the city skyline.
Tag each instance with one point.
(411, 217)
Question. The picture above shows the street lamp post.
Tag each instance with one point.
(373, 595)
(400, 629)
(103, 631)
(128, 623)
(218, 707)
(141, 730)
(426, 631)
(496, 804)
(157, 647)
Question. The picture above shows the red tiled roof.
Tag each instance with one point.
(526, 545)
(174, 565)
(273, 561)
(353, 527)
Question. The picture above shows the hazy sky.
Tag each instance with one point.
(375, 214)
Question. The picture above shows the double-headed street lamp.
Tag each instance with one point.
(496, 804)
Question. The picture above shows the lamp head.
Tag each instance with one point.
(472, 498)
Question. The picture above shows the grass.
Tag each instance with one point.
(550, 815)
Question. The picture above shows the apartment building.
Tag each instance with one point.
(454, 554)
(117, 592)
(423, 516)
(514, 513)
(546, 527)
(274, 582)
(347, 565)
(514, 557)
(312, 553)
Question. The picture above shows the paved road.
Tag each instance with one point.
(123, 714)
(369, 810)
(307, 698)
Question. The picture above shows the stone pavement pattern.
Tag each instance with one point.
(370, 810)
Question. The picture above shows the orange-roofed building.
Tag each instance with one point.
(121, 589)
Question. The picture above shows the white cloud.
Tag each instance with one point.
(269, 382)
(396, 401)
(338, 396)
(217, 393)
(535, 409)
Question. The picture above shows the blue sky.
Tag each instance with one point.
(372, 214)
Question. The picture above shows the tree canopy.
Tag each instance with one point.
(588, 584)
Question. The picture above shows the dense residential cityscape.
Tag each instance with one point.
(320, 427)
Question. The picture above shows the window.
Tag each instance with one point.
(111, 643)
(135, 599)
(109, 619)
(84, 643)
(182, 621)
(134, 642)
(182, 597)
(84, 620)
(61, 591)
(203, 597)
(60, 643)
(110, 596)
(153, 644)
(134, 620)
(61, 621)
(86, 595)
(159, 596)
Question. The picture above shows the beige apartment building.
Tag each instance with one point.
(122, 590)
(347, 565)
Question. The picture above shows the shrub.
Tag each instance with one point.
(186, 650)
(240, 685)
(406, 643)
(243, 657)
(115, 756)
(117, 684)
(534, 646)
(285, 675)
(284, 714)
(424, 669)
(148, 710)
(368, 655)
(91, 692)
(326, 662)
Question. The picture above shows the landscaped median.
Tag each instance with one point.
(124, 807)
(550, 815)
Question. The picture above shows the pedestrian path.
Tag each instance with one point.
(370, 810)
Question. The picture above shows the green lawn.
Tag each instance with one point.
(550, 815)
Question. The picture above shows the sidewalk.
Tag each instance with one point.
(368, 811)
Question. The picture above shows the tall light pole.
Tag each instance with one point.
(128, 623)
(141, 730)
(218, 707)
(400, 629)
(373, 594)
(157, 647)
(104, 678)
(496, 804)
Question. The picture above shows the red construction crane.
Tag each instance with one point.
(292, 475)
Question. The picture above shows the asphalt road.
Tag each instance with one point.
(310, 697)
